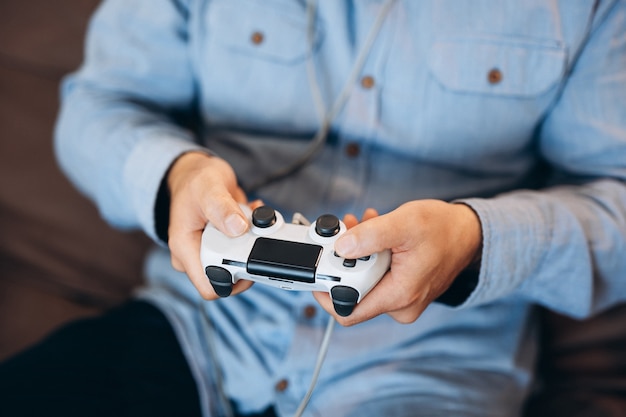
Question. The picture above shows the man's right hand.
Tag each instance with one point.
(203, 189)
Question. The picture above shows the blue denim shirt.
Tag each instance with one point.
(516, 108)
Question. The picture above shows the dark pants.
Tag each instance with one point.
(125, 363)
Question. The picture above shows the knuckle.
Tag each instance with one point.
(207, 293)
(176, 264)
(406, 316)
(175, 244)
(346, 321)
(407, 319)
(218, 206)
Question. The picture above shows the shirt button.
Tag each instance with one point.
(281, 385)
(257, 38)
(309, 312)
(353, 150)
(367, 82)
(494, 76)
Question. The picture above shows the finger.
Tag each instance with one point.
(240, 195)
(224, 213)
(188, 261)
(407, 315)
(369, 307)
(350, 220)
(380, 300)
(387, 297)
(366, 309)
(200, 281)
(372, 236)
(185, 232)
(176, 263)
(324, 300)
(256, 204)
(241, 285)
(193, 267)
(369, 213)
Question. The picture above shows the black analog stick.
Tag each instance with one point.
(327, 225)
(263, 217)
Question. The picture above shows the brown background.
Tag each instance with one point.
(58, 259)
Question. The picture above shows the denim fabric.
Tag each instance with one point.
(515, 108)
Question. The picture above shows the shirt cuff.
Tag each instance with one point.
(513, 246)
(145, 171)
(461, 289)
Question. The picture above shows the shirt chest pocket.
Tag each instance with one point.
(260, 29)
(492, 67)
(476, 96)
(253, 63)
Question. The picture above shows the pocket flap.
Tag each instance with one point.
(273, 33)
(496, 67)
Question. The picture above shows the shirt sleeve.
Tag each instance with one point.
(564, 247)
(118, 132)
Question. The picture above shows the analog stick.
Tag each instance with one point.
(327, 225)
(263, 217)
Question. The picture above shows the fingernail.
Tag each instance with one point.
(346, 244)
(235, 225)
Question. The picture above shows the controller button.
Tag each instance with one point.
(349, 263)
(344, 299)
(263, 217)
(327, 225)
(364, 258)
(220, 279)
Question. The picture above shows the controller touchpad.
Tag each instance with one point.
(293, 261)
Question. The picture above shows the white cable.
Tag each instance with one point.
(320, 107)
(209, 330)
(318, 366)
(322, 133)
(298, 218)
(360, 61)
(318, 141)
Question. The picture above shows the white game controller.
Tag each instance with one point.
(291, 257)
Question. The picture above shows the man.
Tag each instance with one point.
(485, 143)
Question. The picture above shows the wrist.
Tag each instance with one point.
(467, 280)
(472, 236)
(163, 199)
(188, 161)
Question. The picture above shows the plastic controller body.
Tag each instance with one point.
(290, 257)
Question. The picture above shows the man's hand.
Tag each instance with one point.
(203, 189)
(431, 242)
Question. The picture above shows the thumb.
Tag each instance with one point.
(368, 237)
(227, 216)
